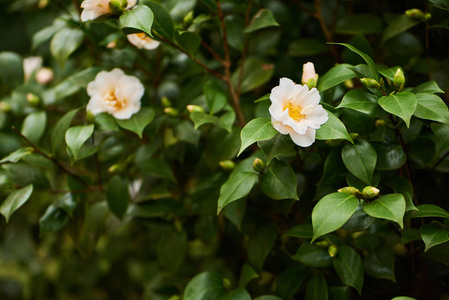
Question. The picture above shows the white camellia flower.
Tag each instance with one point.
(115, 93)
(296, 111)
(31, 65)
(95, 8)
(309, 76)
(142, 40)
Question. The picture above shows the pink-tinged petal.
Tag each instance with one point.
(303, 140)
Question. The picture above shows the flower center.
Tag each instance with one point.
(112, 100)
(294, 112)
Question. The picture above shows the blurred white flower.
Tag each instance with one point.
(44, 75)
(95, 8)
(115, 93)
(295, 111)
(309, 76)
(142, 40)
(31, 65)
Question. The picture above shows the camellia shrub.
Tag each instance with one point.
(224, 149)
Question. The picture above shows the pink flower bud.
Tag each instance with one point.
(309, 76)
(44, 75)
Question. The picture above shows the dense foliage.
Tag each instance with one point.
(175, 163)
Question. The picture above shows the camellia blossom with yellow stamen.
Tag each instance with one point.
(142, 40)
(115, 93)
(296, 111)
(93, 9)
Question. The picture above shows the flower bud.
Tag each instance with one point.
(111, 44)
(400, 249)
(349, 190)
(258, 165)
(5, 106)
(194, 108)
(332, 250)
(353, 135)
(369, 192)
(33, 99)
(415, 14)
(322, 244)
(171, 111)
(427, 17)
(342, 233)
(379, 123)
(227, 283)
(166, 102)
(399, 80)
(42, 4)
(188, 18)
(309, 77)
(370, 83)
(116, 168)
(349, 84)
(118, 6)
(227, 165)
(44, 75)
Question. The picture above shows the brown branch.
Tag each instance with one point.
(327, 33)
(245, 49)
(77, 6)
(53, 160)
(211, 51)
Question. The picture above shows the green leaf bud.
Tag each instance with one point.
(370, 83)
(174, 297)
(400, 249)
(116, 168)
(194, 108)
(33, 99)
(227, 165)
(415, 14)
(349, 190)
(188, 18)
(399, 80)
(369, 192)
(227, 283)
(171, 111)
(427, 17)
(332, 250)
(353, 135)
(380, 123)
(118, 6)
(349, 84)
(166, 102)
(322, 244)
(258, 165)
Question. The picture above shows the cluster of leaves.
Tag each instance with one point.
(197, 196)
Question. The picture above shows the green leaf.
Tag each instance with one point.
(262, 19)
(258, 129)
(403, 186)
(200, 118)
(431, 107)
(235, 212)
(138, 121)
(339, 292)
(247, 274)
(331, 212)
(390, 207)
(430, 87)
(34, 125)
(256, 72)
(117, 196)
(237, 186)
(389, 73)
(441, 138)
(304, 231)
(290, 280)
(335, 76)
(403, 298)
(58, 134)
(278, 145)
(432, 235)
(52, 220)
(171, 249)
(333, 129)
(189, 41)
(157, 167)
(71, 85)
(226, 120)
(163, 23)
(307, 47)
(237, 294)
(397, 26)
(267, 297)
(279, 181)
(215, 97)
(76, 136)
(15, 200)
(317, 288)
(260, 244)
(313, 256)
(65, 42)
(365, 57)
(46, 33)
(360, 100)
(205, 286)
(379, 263)
(138, 19)
(360, 159)
(428, 210)
(389, 156)
(11, 68)
(402, 104)
(234, 28)
(349, 267)
(359, 24)
(17, 155)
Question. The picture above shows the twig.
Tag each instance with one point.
(440, 161)
(245, 49)
(327, 33)
(53, 160)
(305, 8)
(211, 51)
(77, 6)
(98, 167)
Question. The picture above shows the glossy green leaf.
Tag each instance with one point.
(317, 288)
(389, 156)
(189, 41)
(235, 25)
(46, 33)
(431, 107)
(369, 61)
(215, 97)
(432, 235)
(158, 168)
(304, 231)
(205, 286)
(279, 181)
(290, 280)
(278, 145)
(410, 235)
(258, 129)
(359, 24)
(247, 274)
(335, 76)
(262, 19)
(428, 210)
(59, 130)
(226, 120)
(267, 297)
(11, 68)
(138, 121)
(331, 212)
(402, 104)
(237, 186)
(333, 129)
(404, 187)
(138, 19)
(65, 42)
(256, 72)
(76, 136)
(390, 207)
(430, 87)
(34, 125)
(441, 138)
(313, 256)
(349, 267)
(71, 85)
(379, 263)
(53, 219)
(117, 196)
(172, 249)
(260, 244)
(17, 155)
(397, 26)
(15, 200)
(200, 118)
(235, 212)
(389, 73)
(360, 159)
(307, 47)
(237, 294)
(360, 100)
(163, 23)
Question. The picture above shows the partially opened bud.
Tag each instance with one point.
(258, 165)
(415, 14)
(44, 75)
(349, 190)
(33, 99)
(370, 83)
(194, 108)
(309, 77)
(369, 192)
(118, 6)
(171, 111)
(399, 80)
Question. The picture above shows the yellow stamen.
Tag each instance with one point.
(294, 112)
(112, 100)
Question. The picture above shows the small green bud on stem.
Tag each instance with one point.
(379, 123)
(427, 17)
(194, 108)
(370, 83)
(415, 14)
(166, 102)
(188, 19)
(399, 80)
(227, 283)
(370, 192)
(258, 165)
(33, 99)
(118, 6)
(227, 165)
(322, 244)
(349, 190)
(332, 250)
(171, 111)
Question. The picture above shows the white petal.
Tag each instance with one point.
(319, 115)
(304, 140)
(127, 112)
(298, 127)
(96, 105)
(279, 126)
